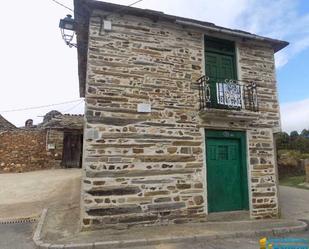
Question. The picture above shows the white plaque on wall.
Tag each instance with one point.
(107, 25)
(51, 146)
(143, 107)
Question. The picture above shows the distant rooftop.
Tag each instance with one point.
(6, 125)
(62, 121)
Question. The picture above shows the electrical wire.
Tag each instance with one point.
(134, 3)
(101, 17)
(124, 7)
(73, 107)
(39, 107)
(61, 4)
(117, 11)
(70, 9)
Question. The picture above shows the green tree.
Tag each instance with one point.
(282, 140)
(305, 133)
(294, 134)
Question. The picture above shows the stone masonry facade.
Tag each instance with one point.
(39, 146)
(149, 168)
(25, 150)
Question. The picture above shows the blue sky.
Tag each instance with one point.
(293, 78)
(38, 69)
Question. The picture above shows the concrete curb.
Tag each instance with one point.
(143, 242)
(38, 230)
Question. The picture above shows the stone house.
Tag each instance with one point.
(64, 138)
(55, 143)
(180, 117)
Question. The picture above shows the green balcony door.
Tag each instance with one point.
(218, 68)
(219, 64)
(227, 188)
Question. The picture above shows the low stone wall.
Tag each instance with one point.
(290, 164)
(25, 150)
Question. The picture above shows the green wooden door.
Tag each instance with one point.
(227, 187)
(219, 67)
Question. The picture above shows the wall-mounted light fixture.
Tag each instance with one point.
(67, 26)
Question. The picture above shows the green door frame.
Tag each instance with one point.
(241, 136)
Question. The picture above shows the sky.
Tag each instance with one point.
(38, 69)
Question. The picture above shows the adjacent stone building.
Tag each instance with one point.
(55, 143)
(64, 138)
(180, 117)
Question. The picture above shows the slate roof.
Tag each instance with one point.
(6, 125)
(64, 121)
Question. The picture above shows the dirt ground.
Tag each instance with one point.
(26, 194)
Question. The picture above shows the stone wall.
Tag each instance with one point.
(256, 63)
(142, 168)
(288, 165)
(148, 168)
(263, 175)
(55, 138)
(25, 150)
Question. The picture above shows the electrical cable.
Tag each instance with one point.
(117, 11)
(39, 107)
(101, 17)
(73, 107)
(61, 4)
(124, 7)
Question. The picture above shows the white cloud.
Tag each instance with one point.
(281, 58)
(281, 20)
(295, 115)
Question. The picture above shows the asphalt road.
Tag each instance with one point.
(294, 202)
(16, 236)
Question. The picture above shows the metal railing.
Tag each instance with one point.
(227, 94)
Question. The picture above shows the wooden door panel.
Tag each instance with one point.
(218, 68)
(227, 67)
(224, 175)
(72, 149)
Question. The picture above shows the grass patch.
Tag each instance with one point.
(293, 181)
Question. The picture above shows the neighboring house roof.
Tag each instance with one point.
(6, 125)
(50, 115)
(63, 121)
(86, 6)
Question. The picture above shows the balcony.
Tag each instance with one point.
(227, 94)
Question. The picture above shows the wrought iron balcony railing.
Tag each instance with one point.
(227, 94)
